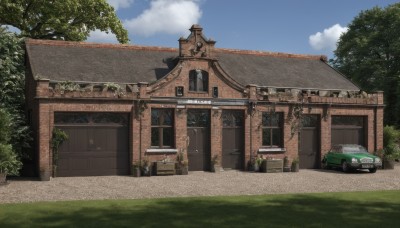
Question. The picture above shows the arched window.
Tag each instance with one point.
(198, 81)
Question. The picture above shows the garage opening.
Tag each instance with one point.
(98, 144)
(348, 130)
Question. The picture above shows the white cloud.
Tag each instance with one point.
(119, 4)
(102, 37)
(327, 39)
(165, 16)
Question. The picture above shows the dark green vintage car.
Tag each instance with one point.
(351, 157)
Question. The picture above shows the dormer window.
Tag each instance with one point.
(198, 81)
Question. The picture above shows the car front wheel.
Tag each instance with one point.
(345, 167)
(373, 170)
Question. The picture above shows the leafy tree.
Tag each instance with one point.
(9, 161)
(369, 54)
(62, 20)
(12, 94)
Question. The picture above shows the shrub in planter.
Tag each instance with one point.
(258, 162)
(136, 169)
(182, 165)
(295, 165)
(286, 164)
(146, 167)
(215, 164)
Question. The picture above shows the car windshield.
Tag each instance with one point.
(354, 149)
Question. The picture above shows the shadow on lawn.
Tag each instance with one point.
(250, 211)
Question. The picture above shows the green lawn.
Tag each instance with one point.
(349, 209)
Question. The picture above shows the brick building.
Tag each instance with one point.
(120, 103)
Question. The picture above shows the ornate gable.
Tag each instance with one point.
(196, 45)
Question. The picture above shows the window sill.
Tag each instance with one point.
(162, 151)
(272, 150)
(198, 92)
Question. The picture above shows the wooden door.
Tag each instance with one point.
(232, 139)
(309, 152)
(198, 131)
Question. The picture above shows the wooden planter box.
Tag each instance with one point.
(164, 168)
(272, 166)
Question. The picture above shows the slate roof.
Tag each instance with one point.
(81, 61)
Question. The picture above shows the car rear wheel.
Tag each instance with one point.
(373, 170)
(345, 167)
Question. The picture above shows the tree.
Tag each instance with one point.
(12, 94)
(9, 161)
(369, 54)
(61, 20)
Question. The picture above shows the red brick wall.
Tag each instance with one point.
(140, 133)
(166, 87)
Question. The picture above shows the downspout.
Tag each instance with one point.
(375, 128)
(251, 140)
(140, 136)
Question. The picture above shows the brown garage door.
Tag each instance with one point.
(97, 144)
(348, 130)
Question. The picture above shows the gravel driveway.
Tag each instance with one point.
(196, 184)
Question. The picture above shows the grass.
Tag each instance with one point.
(347, 209)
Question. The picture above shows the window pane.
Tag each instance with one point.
(276, 137)
(348, 120)
(310, 121)
(265, 119)
(266, 137)
(155, 117)
(155, 139)
(271, 119)
(199, 80)
(168, 137)
(166, 117)
(198, 118)
(205, 82)
(275, 119)
(192, 80)
(232, 118)
(71, 118)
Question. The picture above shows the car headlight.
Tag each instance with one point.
(354, 160)
(377, 160)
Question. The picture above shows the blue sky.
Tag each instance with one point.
(302, 27)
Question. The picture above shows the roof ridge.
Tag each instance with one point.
(85, 44)
(273, 54)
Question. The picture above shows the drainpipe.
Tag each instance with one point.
(251, 138)
(375, 128)
(140, 138)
